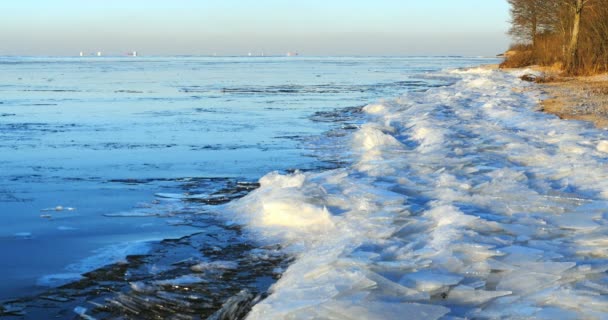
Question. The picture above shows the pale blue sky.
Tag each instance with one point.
(312, 27)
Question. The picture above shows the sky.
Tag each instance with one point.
(237, 27)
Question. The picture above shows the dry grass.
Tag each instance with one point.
(517, 59)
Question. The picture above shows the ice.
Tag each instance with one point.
(465, 295)
(180, 281)
(557, 313)
(575, 220)
(287, 214)
(384, 310)
(602, 146)
(376, 109)
(371, 137)
(524, 282)
(587, 303)
(520, 253)
(282, 206)
(555, 268)
(141, 286)
(82, 312)
(278, 180)
(110, 254)
(428, 281)
(101, 257)
(222, 265)
(54, 280)
(462, 201)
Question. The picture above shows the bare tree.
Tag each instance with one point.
(572, 60)
(570, 33)
(529, 18)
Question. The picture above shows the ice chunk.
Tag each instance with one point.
(602, 146)
(517, 254)
(522, 282)
(465, 295)
(556, 268)
(180, 281)
(226, 265)
(292, 300)
(508, 307)
(300, 215)
(449, 216)
(581, 301)
(579, 221)
(390, 288)
(385, 310)
(500, 266)
(556, 313)
(376, 108)
(281, 208)
(141, 286)
(427, 135)
(430, 281)
(276, 180)
(82, 312)
(370, 137)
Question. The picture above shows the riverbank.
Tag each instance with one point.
(578, 98)
(574, 98)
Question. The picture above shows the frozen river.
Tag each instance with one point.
(305, 188)
(98, 155)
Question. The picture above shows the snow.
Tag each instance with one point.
(461, 202)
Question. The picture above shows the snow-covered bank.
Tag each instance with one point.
(462, 202)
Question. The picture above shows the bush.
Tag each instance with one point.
(518, 59)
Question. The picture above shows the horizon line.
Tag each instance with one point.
(246, 56)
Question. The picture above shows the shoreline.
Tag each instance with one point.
(578, 98)
(583, 98)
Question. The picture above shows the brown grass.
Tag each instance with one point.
(518, 59)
